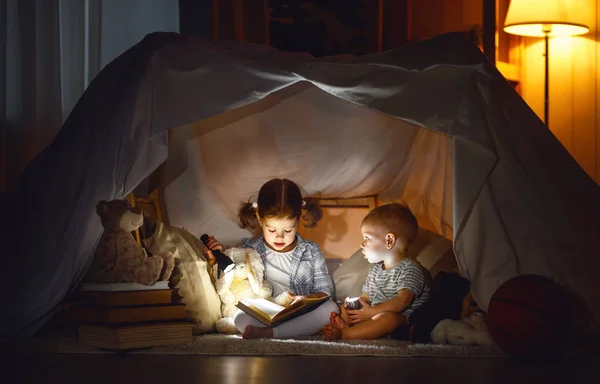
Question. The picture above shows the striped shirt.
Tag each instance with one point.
(308, 272)
(383, 284)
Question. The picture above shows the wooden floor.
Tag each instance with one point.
(17, 366)
(166, 369)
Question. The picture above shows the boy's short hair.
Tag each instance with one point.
(395, 218)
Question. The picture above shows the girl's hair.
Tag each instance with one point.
(280, 198)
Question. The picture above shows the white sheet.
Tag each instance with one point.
(519, 203)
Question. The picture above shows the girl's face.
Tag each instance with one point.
(280, 234)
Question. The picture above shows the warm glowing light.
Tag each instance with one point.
(538, 18)
(537, 30)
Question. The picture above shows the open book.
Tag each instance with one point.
(272, 314)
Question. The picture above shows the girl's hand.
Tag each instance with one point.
(210, 246)
(360, 315)
(295, 297)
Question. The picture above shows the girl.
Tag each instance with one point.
(292, 264)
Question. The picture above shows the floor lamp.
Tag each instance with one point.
(547, 18)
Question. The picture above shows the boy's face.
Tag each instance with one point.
(280, 234)
(374, 244)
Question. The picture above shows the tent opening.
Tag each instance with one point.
(331, 148)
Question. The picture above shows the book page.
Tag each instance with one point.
(267, 307)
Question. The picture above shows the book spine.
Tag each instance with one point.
(124, 299)
(98, 315)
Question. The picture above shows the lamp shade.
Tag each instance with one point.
(537, 18)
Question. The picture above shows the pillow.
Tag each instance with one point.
(350, 276)
(435, 254)
(433, 251)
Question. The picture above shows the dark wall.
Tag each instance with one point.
(320, 27)
(195, 18)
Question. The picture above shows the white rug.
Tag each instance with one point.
(216, 344)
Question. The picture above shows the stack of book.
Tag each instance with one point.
(128, 316)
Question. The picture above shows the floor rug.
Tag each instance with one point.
(228, 345)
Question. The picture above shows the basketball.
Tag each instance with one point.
(530, 315)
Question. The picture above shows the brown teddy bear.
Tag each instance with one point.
(118, 257)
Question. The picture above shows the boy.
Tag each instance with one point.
(396, 285)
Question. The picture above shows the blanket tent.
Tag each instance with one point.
(432, 123)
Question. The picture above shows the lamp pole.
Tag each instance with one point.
(559, 17)
(546, 29)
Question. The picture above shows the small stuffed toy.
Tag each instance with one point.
(468, 331)
(448, 301)
(246, 280)
(118, 257)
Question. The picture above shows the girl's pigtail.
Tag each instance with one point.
(313, 212)
(247, 215)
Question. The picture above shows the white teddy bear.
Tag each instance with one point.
(246, 280)
(468, 331)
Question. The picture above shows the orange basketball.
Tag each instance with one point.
(530, 315)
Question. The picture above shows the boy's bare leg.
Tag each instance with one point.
(252, 332)
(332, 333)
(328, 326)
(374, 328)
(332, 330)
(338, 321)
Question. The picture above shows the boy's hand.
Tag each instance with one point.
(360, 315)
